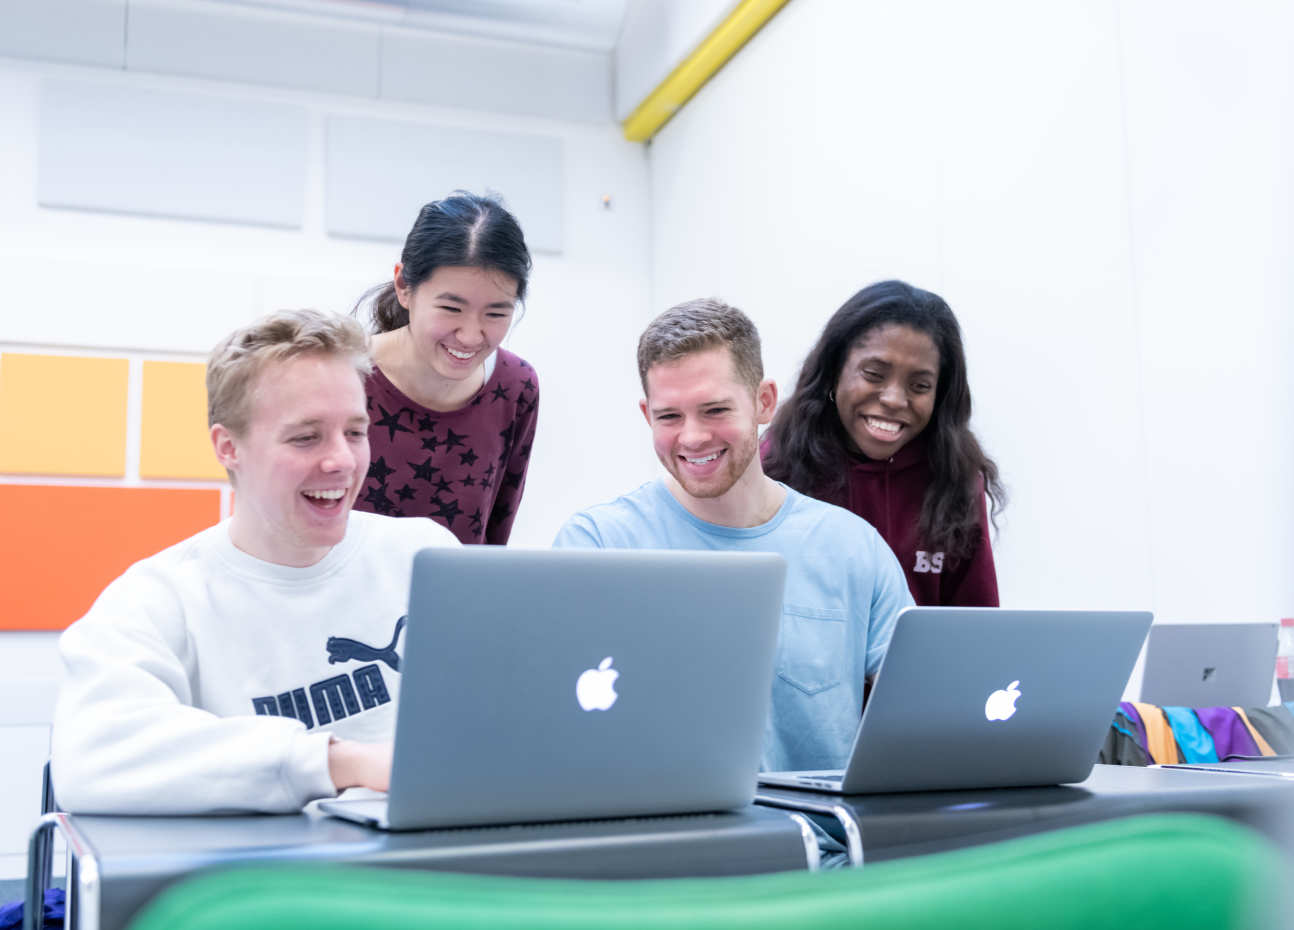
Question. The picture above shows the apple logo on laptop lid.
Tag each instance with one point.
(596, 687)
(1001, 703)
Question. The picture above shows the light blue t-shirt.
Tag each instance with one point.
(844, 588)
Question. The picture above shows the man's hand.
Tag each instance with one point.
(352, 764)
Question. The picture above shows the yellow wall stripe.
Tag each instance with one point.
(174, 440)
(706, 59)
(63, 415)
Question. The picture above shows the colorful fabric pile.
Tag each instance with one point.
(1146, 734)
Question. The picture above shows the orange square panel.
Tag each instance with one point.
(60, 546)
(174, 439)
(62, 415)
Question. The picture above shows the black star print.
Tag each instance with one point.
(405, 493)
(431, 443)
(523, 363)
(506, 436)
(468, 482)
(380, 470)
(424, 472)
(525, 451)
(476, 401)
(512, 479)
(392, 422)
(449, 510)
(489, 474)
(377, 497)
(528, 385)
(501, 513)
(476, 519)
(454, 439)
(467, 458)
(426, 424)
(442, 486)
(500, 392)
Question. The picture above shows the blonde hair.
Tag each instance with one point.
(239, 358)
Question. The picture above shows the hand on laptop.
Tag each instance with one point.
(352, 764)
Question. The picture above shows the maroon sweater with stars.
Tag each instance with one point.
(466, 469)
(888, 494)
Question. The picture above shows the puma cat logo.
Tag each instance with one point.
(344, 649)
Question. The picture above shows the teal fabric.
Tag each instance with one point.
(1193, 740)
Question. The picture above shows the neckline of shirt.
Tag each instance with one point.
(717, 529)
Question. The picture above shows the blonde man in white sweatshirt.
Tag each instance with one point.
(253, 666)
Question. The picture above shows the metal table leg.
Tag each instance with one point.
(82, 874)
(853, 832)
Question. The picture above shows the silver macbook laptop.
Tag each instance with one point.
(1210, 664)
(979, 697)
(571, 684)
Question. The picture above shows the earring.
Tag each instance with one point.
(831, 395)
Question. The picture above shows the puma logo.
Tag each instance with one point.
(1208, 672)
(343, 649)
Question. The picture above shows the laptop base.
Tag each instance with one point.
(829, 780)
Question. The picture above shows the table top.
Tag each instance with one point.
(912, 823)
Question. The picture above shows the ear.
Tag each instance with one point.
(642, 405)
(225, 446)
(765, 401)
(401, 288)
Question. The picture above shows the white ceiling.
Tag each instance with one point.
(588, 24)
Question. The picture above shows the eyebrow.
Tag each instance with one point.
(876, 359)
(719, 402)
(455, 299)
(315, 421)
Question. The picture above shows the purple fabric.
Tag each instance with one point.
(1131, 713)
(1230, 735)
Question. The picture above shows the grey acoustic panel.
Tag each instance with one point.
(504, 77)
(193, 156)
(88, 32)
(380, 172)
(253, 46)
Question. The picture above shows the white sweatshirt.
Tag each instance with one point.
(184, 679)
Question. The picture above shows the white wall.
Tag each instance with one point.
(1101, 190)
(148, 287)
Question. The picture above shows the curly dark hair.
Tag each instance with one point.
(809, 449)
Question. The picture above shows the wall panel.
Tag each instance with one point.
(61, 545)
(162, 153)
(62, 415)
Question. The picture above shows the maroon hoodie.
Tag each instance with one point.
(888, 494)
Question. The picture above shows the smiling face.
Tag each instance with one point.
(885, 394)
(300, 463)
(457, 317)
(705, 420)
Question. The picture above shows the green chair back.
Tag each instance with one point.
(1180, 871)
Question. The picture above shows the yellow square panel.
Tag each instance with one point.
(62, 415)
(174, 439)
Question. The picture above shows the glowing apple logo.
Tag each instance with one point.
(596, 688)
(1001, 704)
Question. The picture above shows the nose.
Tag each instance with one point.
(694, 433)
(339, 456)
(470, 332)
(893, 394)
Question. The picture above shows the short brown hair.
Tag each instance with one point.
(284, 334)
(695, 326)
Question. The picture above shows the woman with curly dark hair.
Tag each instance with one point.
(878, 424)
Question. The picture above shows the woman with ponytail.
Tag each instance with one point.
(452, 414)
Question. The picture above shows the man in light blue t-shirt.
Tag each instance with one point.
(706, 397)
